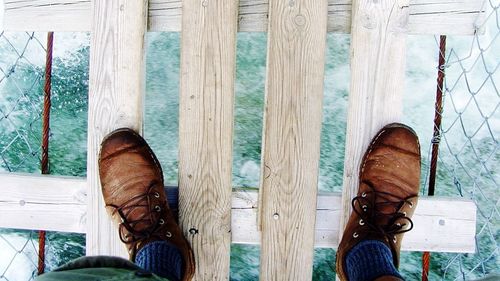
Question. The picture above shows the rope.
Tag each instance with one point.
(45, 139)
(46, 105)
(438, 107)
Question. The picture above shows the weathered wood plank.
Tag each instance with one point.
(458, 17)
(59, 204)
(116, 96)
(426, 17)
(47, 15)
(208, 62)
(43, 202)
(291, 137)
(438, 227)
(378, 53)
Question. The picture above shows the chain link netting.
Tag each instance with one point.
(469, 149)
(22, 70)
(21, 107)
(21, 101)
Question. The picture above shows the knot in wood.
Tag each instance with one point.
(300, 20)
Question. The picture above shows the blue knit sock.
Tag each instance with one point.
(161, 258)
(369, 260)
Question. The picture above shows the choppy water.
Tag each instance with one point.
(69, 127)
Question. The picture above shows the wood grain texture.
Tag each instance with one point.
(438, 226)
(208, 61)
(291, 137)
(426, 17)
(378, 53)
(43, 202)
(59, 204)
(116, 94)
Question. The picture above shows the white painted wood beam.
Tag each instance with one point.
(116, 94)
(425, 16)
(378, 61)
(206, 105)
(43, 202)
(59, 204)
(291, 138)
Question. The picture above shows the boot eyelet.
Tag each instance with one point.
(411, 205)
(168, 234)
(363, 195)
(394, 240)
(157, 208)
(157, 195)
(404, 213)
(364, 207)
(161, 221)
(398, 224)
(361, 222)
(355, 235)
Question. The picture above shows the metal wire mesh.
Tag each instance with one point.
(21, 101)
(22, 69)
(469, 148)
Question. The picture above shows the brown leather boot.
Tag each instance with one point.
(388, 193)
(133, 190)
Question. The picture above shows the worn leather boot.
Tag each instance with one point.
(388, 192)
(133, 190)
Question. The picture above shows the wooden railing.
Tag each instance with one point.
(288, 216)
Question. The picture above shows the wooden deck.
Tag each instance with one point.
(292, 218)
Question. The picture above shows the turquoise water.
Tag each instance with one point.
(68, 135)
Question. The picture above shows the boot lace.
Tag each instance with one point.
(385, 224)
(127, 231)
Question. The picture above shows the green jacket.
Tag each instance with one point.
(95, 268)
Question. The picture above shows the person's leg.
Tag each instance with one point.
(98, 268)
(388, 278)
(388, 192)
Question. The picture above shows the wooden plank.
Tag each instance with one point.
(208, 62)
(47, 15)
(438, 227)
(291, 137)
(378, 52)
(42, 202)
(458, 17)
(426, 17)
(58, 204)
(115, 100)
